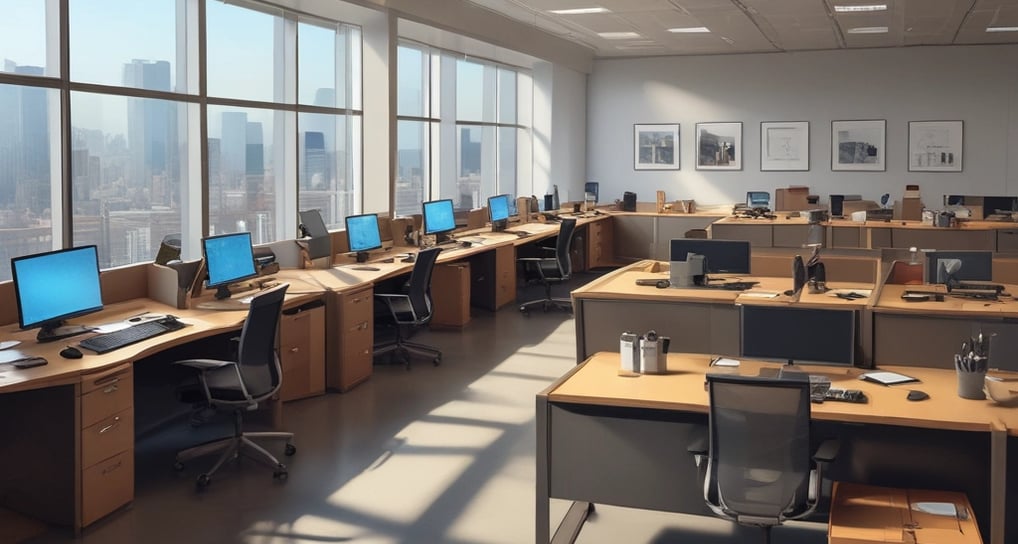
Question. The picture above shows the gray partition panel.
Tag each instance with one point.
(756, 235)
(670, 227)
(626, 457)
(924, 340)
(634, 237)
(693, 327)
(984, 240)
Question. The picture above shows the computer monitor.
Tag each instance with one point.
(439, 218)
(798, 334)
(57, 285)
(229, 258)
(498, 212)
(951, 266)
(363, 235)
(319, 242)
(758, 199)
(722, 256)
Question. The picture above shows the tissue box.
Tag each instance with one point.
(863, 514)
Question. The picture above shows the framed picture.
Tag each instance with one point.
(784, 145)
(656, 147)
(858, 145)
(935, 146)
(719, 146)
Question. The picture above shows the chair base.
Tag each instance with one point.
(405, 349)
(234, 446)
(547, 303)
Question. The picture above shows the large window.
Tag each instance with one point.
(458, 130)
(282, 107)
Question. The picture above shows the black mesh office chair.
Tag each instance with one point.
(241, 385)
(412, 309)
(759, 469)
(551, 270)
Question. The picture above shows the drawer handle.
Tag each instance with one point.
(108, 379)
(116, 421)
(363, 326)
(111, 388)
(111, 468)
(294, 350)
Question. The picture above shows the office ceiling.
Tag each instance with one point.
(759, 26)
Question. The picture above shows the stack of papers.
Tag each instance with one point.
(887, 378)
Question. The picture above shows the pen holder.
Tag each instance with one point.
(970, 384)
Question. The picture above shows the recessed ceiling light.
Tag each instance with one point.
(1002, 29)
(857, 9)
(690, 30)
(618, 35)
(578, 11)
(868, 30)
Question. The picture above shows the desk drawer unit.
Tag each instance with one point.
(599, 244)
(356, 339)
(107, 442)
(302, 353)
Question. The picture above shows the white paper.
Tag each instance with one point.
(887, 377)
(758, 294)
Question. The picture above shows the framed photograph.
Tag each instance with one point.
(784, 145)
(719, 146)
(656, 147)
(935, 146)
(858, 145)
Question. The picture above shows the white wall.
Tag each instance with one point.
(559, 131)
(977, 84)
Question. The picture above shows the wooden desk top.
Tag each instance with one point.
(890, 301)
(621, 285)
(60, 371)
(596, 382)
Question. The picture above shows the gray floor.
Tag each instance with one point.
(434, 454)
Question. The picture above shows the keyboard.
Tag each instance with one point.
(842, 395)
(103, 343)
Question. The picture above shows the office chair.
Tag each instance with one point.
(412, 309)
(759, 468)
(551, 270)
(241, 386)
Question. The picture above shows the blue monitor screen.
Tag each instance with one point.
(57, 285)
(438, 217)
(362, 232)
(498, 208)
(229, 258)
(807, 335)
(722, 256)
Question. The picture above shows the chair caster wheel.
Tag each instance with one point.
(178, 466)
(203, 481)
(437, 360)
(280, 473)
(290, 449)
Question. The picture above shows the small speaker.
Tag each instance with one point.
(837, 205)
(629, 201)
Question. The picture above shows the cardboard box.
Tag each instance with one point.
(450, 295)
(863, 514)
(850, 206)
(791, 199)
(912, 209)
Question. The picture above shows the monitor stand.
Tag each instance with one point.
(59, 331)
(362, 256)
(223, 291)
(500, 225)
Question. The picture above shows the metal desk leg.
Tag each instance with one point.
(998, 482)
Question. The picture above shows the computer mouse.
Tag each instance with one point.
(917, 395)
(70, 352)
(466, 243)
(408, 259)
(135, 319)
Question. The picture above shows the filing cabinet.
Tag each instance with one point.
(351, 339)
(302, 351)
(107, 442)
(599, 244)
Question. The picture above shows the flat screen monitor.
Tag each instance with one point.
(758, 199)
(439, 217)
(797, 334)
(959, 266)
(54, 286)
(498, 211)
(229, 258)
(319, 243)
(722, 256)
(362, 234)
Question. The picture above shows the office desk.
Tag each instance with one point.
(68, 450)
(698, 320)
(941, 325)
(603, 438)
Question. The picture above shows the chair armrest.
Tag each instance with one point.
(533, 259)
(391, 296)
(827, 451)
(698, 446)
(204, 364)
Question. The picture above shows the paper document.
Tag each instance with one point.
(887, 378)
(758, 294)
